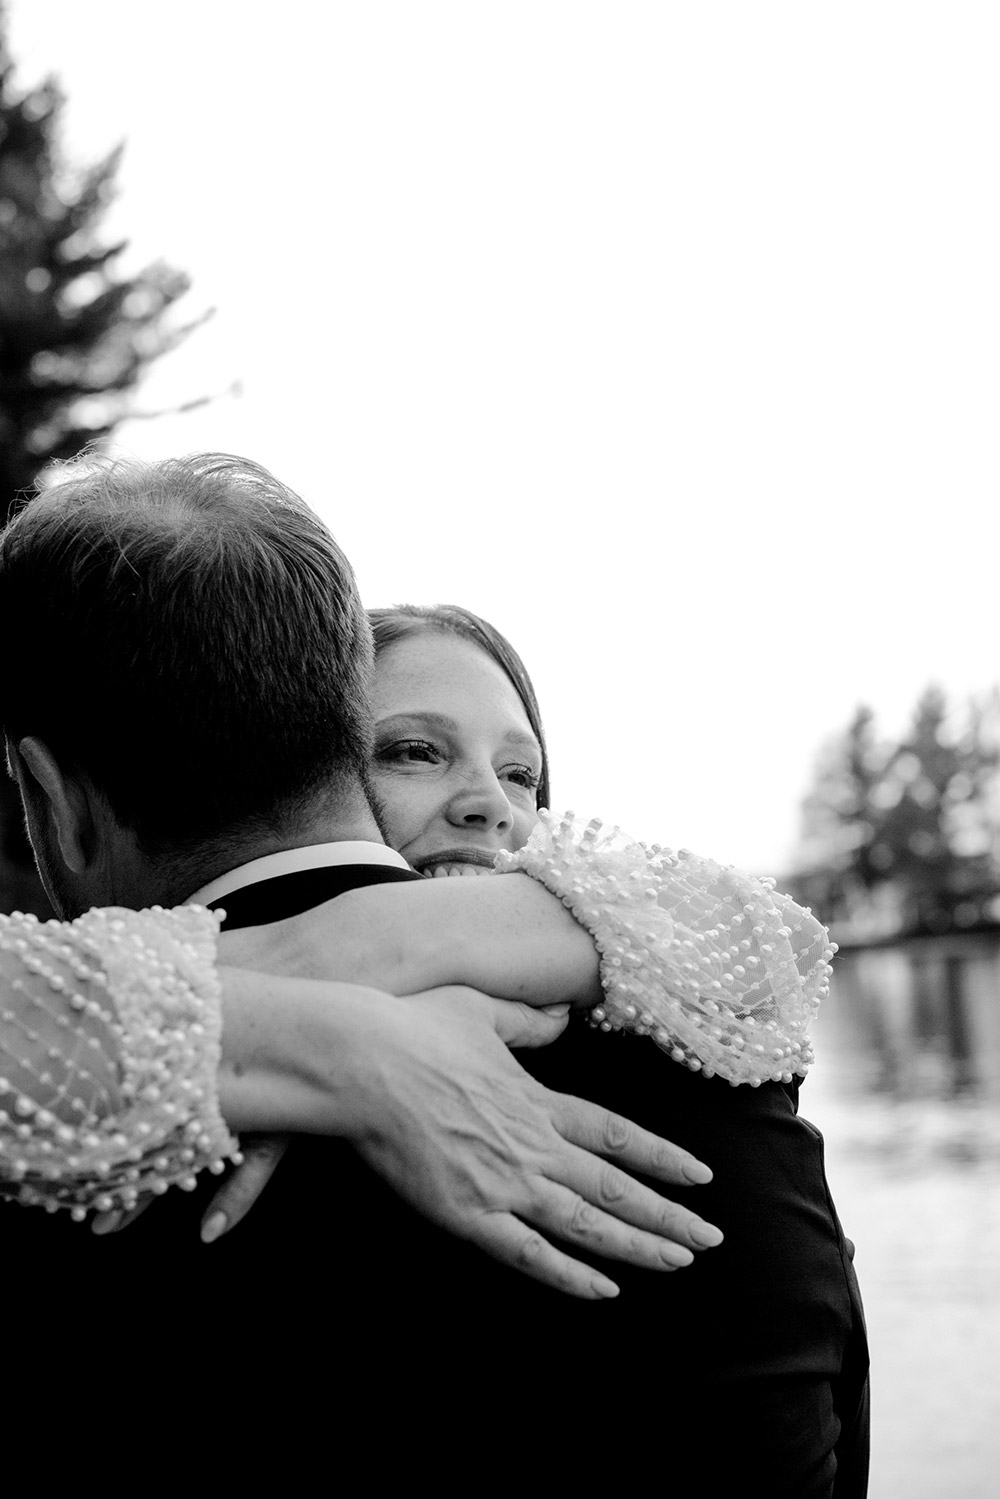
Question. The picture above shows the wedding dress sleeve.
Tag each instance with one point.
(110, 1040)
(723, 972)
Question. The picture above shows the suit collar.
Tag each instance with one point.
(293, 861)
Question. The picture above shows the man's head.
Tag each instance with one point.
(186, 647)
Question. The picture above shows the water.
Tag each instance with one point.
(917, 1184)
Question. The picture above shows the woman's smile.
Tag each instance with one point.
(461, 861)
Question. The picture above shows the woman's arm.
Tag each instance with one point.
(507, 936)
(723, 972)
(113, 1071)
(109, 1049)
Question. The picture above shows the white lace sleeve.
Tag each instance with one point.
(721, 970)
(110, 1039)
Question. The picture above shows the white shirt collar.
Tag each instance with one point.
(289, 860)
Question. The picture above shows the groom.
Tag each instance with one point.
(192, 702)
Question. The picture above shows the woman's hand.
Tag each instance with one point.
(429, 1094)
(262, 1155)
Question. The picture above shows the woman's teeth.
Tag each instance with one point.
(442, 871)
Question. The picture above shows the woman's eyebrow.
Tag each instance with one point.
(519, 740)
(444, 724)
(439, 721)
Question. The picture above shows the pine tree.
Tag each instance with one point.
(838, 866)
(75, 336)
(917, 821)
(936, 836)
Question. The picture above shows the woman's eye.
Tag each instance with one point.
(408, 752)
(523, 775)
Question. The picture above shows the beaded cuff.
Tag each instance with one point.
(110, 1042)
(721, 970)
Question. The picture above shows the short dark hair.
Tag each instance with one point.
(404, 620)
(188, 634)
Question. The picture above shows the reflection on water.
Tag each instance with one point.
(917, 1184)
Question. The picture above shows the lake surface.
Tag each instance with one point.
(917, 1184)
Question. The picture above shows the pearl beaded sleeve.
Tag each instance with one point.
(724, 972)
(110, 1040)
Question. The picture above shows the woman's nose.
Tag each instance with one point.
(483, 804)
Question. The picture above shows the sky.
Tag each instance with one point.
(664, 335)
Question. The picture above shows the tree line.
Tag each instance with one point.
(903, 835)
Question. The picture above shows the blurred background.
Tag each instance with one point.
(664, 336)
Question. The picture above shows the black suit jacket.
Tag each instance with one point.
(352, 1323)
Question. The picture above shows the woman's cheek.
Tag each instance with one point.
(407, 807)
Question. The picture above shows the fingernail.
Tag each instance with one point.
(105, 1223)
(213, 1228)
(556, 1011)
(604, 1287)
(697, 1171)
(675, 1257)
(706, 1234)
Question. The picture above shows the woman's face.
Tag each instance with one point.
(456, 763)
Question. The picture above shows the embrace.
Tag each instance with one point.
(258, 810)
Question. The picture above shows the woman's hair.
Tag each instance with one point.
(406, 620)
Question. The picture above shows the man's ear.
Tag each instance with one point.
(60, 798)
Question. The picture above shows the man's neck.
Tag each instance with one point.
(170, 880)
(234, 856)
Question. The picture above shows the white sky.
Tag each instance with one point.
(665, 335)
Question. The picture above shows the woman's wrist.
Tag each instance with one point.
(295, 1053)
